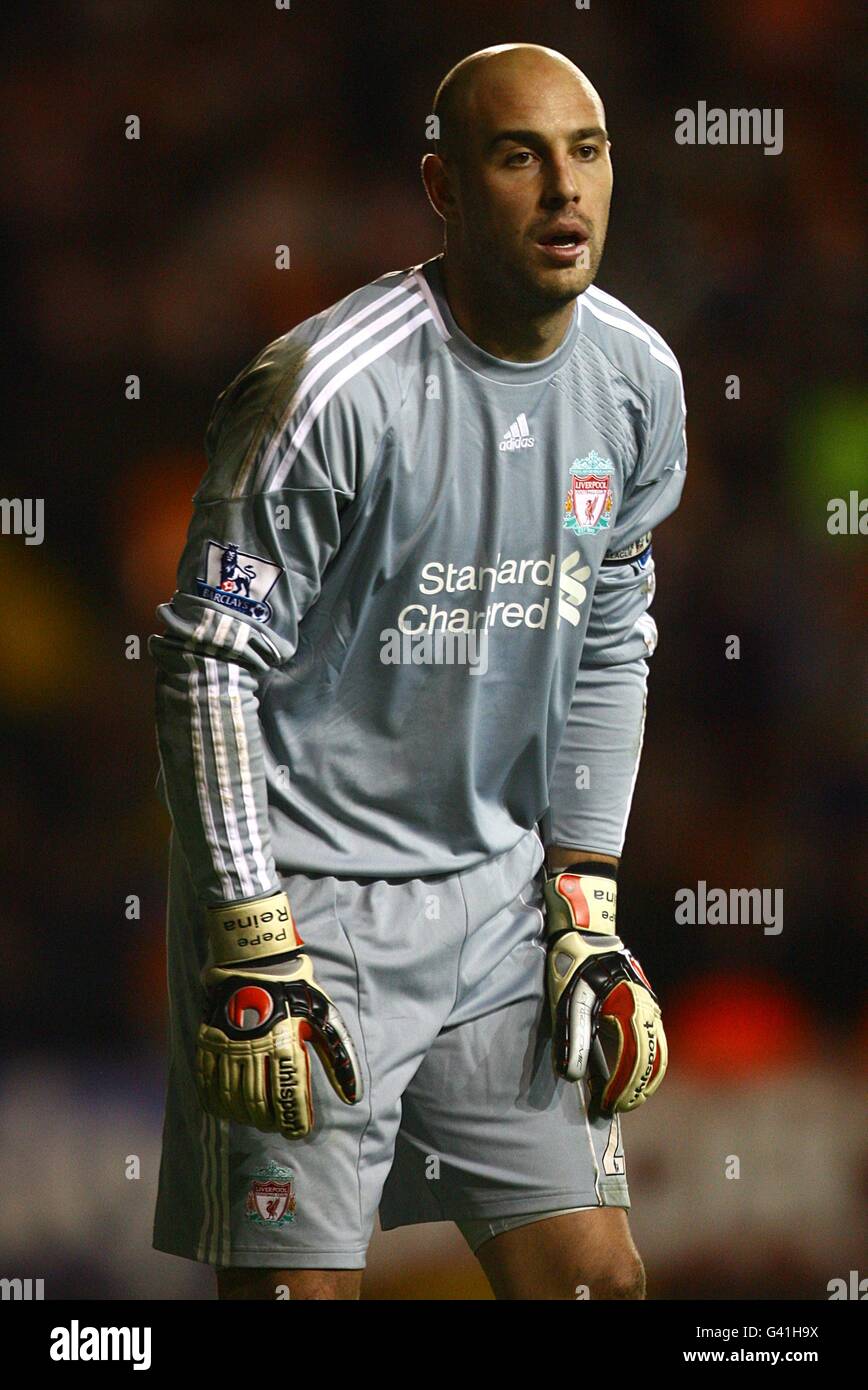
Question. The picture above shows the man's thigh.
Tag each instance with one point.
(572, 1255)
(488, 1130)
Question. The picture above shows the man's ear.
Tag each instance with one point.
(438, 178)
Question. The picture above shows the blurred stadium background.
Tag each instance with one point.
(262, 127)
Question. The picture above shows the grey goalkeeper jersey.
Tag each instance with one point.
(411, 617)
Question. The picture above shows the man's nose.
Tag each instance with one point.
(562, 183)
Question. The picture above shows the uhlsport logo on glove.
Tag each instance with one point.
(263, 1008)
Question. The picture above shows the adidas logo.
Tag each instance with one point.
(518, 436)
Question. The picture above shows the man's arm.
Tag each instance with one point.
(594, 982)
(250, 570)
(211, 660)
(595, 771)
(595, 985)
(266, 523)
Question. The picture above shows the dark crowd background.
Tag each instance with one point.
(155, 257)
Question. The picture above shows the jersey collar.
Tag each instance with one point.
(430, 281)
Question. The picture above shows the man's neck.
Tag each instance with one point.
(499, 327)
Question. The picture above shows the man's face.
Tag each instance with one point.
(535, 182)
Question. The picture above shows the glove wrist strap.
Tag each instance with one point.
(593, 868)
(251, 931)
(589, 897)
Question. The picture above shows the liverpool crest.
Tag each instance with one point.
(271, 1197)
(588, 504)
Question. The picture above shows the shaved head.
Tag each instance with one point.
(522, 179)
(477, 76)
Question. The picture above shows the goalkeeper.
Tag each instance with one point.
(397, 980)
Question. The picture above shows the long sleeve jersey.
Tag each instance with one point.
(411, 621)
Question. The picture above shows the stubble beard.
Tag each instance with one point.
(534, 294)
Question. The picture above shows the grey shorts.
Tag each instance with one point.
(441, 982)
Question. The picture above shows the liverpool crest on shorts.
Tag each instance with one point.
(588, 504)
(271, 1197)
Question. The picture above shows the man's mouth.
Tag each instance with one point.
(564, 246)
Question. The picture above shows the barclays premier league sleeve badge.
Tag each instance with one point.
(588, 505)
(238, 581)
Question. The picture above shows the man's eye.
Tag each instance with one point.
(588, 151)
(519, 154)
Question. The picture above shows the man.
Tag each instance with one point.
(411, 628)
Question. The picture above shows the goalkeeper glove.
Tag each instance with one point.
(595, 985)
(263, 1007)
